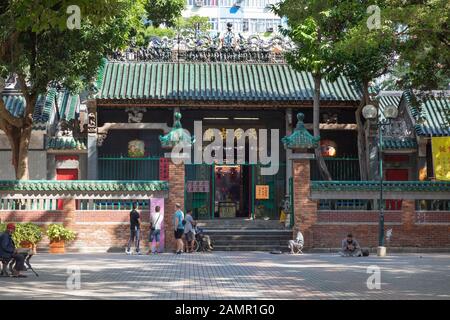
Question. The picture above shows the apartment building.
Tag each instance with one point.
(247, 16)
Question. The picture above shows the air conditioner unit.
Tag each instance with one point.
(199, 3)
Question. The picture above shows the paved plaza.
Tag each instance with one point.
(234, 275)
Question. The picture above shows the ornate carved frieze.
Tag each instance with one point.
(225, 47)
(135, 115)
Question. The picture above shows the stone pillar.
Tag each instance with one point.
(92, 161)
(305, 210)
(92, 157)
(176, 195)
(288, 122)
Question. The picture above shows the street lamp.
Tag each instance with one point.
(370, 112)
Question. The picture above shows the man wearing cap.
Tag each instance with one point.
(8, 251)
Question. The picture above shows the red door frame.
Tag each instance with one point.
(395, 175)
(65, 175)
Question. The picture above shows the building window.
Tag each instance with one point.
(245, 26)
(214, 24)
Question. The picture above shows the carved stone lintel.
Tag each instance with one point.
(135, 115)
(92, 122)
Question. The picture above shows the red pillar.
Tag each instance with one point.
(305, 210)
(176, 195)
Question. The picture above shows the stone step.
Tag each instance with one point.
(240, 224)
(264, 248)
(277, 243)
(249, 240)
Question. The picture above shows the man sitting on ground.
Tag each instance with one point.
(8, 252)
(350, 247)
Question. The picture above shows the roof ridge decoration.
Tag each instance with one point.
(177, 136)
(300, 138)
(226, 47)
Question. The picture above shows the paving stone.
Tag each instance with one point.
(232, 275)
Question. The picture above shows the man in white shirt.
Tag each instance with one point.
(156, 219)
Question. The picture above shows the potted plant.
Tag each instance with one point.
(27, 235)
(58, 235)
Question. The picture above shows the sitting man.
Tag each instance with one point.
(8, 252)
(296, 245)
(350, 247)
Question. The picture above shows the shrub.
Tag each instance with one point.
(57, 232)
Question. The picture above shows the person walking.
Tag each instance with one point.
(155, 230)
(189, 232)
(135, 227)
(178, 225)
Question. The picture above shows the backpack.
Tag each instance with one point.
(365, 252)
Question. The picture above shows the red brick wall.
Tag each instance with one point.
(176, 195)
(326, 228)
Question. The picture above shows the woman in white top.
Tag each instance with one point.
(156, 219)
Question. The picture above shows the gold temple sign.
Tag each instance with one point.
(237, 134)
(262, 192)
(441, 157)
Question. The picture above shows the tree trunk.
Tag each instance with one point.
(19, 136)
(324, 173)
(361, 140)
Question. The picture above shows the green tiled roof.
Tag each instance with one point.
(84, 185)
(300, 138)
(15, 104)
(396, 144)
(433, 114)
(66, 143)
(388, 186)
(216, 81)
(387, 98)
(44, 111)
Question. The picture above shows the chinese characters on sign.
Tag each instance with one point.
(197, 186)
(164, 169)
(262, 192)
(441, 157)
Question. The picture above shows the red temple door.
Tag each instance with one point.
(395, 175)
(65, 174)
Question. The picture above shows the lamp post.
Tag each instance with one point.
(370, 112)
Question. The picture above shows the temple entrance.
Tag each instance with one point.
(233, 192)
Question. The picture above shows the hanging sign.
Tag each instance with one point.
(262, 192)
(441, 157)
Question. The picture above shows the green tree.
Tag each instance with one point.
(424, 42)
(37, 46)
(164, 11)
(363, 55)
(193, 24)
(314, 26)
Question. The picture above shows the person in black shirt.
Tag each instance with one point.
(135, 227)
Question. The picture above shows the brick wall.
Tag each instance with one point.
(326, 228)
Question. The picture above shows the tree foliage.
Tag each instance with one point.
(37, 46)
(164, 11)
